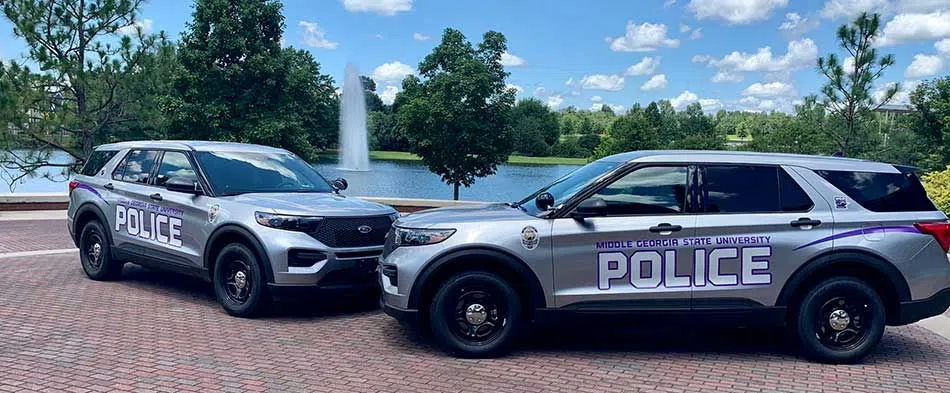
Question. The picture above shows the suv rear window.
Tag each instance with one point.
(97, 161)
(882, 192)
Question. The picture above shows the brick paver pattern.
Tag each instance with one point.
(152, 331)
(17, 236)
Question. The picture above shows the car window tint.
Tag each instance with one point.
(97, 161)
(136, 167)
(794, 199)
(174, 164)
(741, 189)
(653, 190)
(882, 192)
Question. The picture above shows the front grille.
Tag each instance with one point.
(345, 231)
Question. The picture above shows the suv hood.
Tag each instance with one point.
(312, 204)
(462, 214)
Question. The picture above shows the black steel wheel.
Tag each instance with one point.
(841, 320)
(476, 314)
(95, 253)
(239, 282)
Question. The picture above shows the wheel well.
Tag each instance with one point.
(222, 238)
(85, 215)
(847, 265)
(512, 271)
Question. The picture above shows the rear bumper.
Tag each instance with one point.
(916, 310)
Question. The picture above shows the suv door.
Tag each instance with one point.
(758, 218)
(635, 256)
(131, 186)
(185, 215)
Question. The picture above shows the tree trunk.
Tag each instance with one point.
(456, 194)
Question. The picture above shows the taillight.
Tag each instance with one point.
(939, 230)
(72, 185)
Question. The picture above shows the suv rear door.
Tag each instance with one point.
(131, 186)
(756, 219)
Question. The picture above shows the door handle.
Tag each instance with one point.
(805, 221)
(109, 186)
(666, 227)
(156, 196)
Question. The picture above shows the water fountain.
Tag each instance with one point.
(354, 148)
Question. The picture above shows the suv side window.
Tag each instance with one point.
(174, 164)
(136, 167)
(882, 192)
(650, 190)
(752, 189)
(97, 161)
(794, 198)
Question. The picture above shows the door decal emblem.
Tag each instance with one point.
(841, 202)
(213, 212)
(529, 238)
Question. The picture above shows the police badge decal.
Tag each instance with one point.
(529, 238)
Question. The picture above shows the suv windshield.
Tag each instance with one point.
(564, 188)
(233, 173)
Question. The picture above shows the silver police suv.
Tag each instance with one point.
(832, 248)
(255, 221)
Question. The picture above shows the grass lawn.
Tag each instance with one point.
(405, 156)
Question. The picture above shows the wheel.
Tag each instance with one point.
(841, 320)
(95, 253)
(475, 314)
(239, 282)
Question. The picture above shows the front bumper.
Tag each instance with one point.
(916, 310)
(400, 314)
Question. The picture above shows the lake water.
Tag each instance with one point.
(399, 179)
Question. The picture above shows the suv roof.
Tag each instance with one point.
(738, 157)
(191, 145)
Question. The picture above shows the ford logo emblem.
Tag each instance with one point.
(364, 229)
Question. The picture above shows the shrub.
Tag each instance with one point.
(937, 184)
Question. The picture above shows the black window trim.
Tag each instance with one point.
(704, 194)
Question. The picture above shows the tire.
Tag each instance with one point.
(239, 282)
(95, 253)
(476, 315)
(829, 336)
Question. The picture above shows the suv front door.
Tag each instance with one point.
(634, 257)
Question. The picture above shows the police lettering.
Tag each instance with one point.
(148, 225)
(651, 269)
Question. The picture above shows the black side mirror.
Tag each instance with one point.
(544, 201)
(183, 184)
(340, 184)
(592, 207)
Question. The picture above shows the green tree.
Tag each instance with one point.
(76, 99)
(629, 132)
(238, 84)
(384, 133)
(373, 102)
(697, 131)
(847, 94)
(931, 119)
(534, 128)
(457, 118)
(937, 184)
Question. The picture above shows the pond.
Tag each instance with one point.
(399, 179)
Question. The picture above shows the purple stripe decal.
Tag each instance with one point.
(89, 188)
(858, 232)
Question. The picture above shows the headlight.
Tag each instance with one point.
(420, 237)
(285, 222)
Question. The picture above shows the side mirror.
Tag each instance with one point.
(183, 184)
(544, 201)
(340, 184)
(592, 207)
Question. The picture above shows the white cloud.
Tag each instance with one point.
(420, 37)
(848, 65)
(701, 58)
(684, 28)
(516, 88)
(710, 105)
(389, 94)
(735, 11)
(924, 65)
(683, 100)
(646, 37)
(391, 73)
(602, 82)
(800, 54)
(646, 66)
(943, 47)
(657, 82)
(770, 90)
(669, 3)
(510, 60)
(903, 93)
(916, 27)
(727, 77)
(696, 34)
(570, 82)
(922, 6)
(555, 101)
(850, 9)
(597, 99)
(315, 37)
(379, 36)
(796, 25)
(381, 7)
(144, 24)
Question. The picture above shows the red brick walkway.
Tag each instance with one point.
(60, 331)
(16, 236)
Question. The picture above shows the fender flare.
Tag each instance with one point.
(238, 230)
(95, 209)
(829, 259)
(495, 257)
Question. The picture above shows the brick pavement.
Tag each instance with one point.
(17, 236)
(151, 331)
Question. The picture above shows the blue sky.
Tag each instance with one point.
(754, 55)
